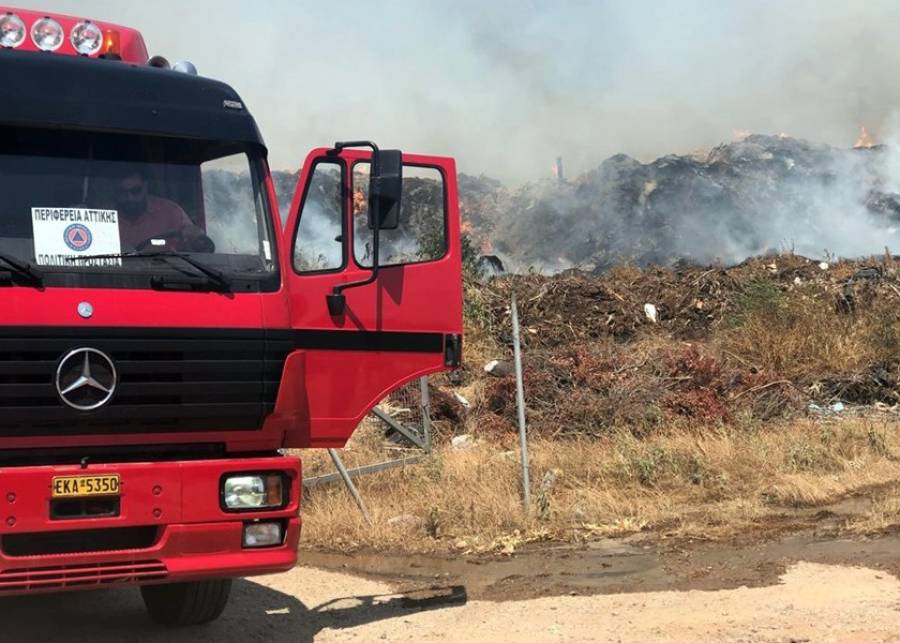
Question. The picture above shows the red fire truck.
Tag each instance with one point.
(164, 335)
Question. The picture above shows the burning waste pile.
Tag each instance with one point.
(754, 196)
(700, 290)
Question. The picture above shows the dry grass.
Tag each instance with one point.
(800, 336)
(709, 484)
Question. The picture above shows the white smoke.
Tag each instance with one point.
(763, 194)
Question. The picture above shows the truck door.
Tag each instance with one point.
(404, 324)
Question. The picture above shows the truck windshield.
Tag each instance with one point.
(71, 201)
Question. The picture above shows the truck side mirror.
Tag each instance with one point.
(385, 188)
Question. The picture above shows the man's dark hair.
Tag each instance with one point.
(126, 170)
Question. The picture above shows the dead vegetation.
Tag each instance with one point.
(762, 340)
(757, 391)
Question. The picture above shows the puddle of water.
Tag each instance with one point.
(604, 566)
(612, 566)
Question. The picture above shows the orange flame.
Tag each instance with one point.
(487, 247)
(864, 140)
(359, 202)
(465, 227)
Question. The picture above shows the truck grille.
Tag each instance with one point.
(170, 380)
(33, 579)
(82, 541)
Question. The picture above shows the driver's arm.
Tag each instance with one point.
(178, 220)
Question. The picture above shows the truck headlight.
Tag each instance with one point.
(245, 491)
(263, 534)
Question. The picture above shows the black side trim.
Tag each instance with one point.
(366, 340)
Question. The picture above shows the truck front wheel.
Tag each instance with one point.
(182, 604)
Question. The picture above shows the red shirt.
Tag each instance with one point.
(160, 217)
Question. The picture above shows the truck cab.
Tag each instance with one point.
(166, 335)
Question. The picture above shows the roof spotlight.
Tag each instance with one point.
(47, 34)
(160, 62)
(185, 67)
(87, 38)
(12, 30)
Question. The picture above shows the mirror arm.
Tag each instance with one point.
(337, 301)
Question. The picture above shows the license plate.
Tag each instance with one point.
(79, 486)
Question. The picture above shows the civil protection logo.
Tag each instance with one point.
(78, 237)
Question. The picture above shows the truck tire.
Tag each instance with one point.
(183, 604)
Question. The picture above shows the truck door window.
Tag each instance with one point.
(319, 242)
(422, 233)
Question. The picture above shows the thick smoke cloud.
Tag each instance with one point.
(507, 86)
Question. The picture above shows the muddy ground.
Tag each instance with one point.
(798, 587)
(615, 567)
(649, 561)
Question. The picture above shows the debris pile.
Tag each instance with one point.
(772, 337)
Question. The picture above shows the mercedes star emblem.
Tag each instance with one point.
(86, 379)
(85, 309)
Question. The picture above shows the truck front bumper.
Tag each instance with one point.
(170, 527)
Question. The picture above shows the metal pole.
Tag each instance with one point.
(349, 482)
(425, 403)
(520, 405)
(328, 478)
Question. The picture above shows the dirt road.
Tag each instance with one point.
(812, 601)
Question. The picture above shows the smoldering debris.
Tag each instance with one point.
(759, 195)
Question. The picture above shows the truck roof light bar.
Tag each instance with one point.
(37, 31)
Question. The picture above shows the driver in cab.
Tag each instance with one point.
(150, 222)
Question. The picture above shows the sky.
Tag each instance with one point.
(506, 87)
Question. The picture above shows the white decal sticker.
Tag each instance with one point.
(267, 250)
(62, 233)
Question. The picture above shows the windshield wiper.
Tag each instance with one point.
(22, 268)
(215, 276)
